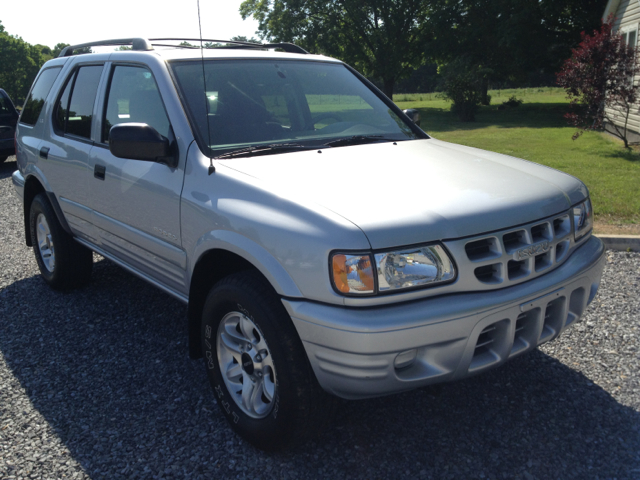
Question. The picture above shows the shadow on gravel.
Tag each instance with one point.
(8, 167)
(108, 369)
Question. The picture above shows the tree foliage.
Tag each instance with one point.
(58, 48)
(19, 64)
(510, 39)
(462, 82)
(599, 77)
(384, 39)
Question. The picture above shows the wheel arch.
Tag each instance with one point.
(212, 266)
(32, 187)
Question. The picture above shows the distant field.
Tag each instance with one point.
(537, 131)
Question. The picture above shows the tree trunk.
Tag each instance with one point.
(484, 97)
(389, 83)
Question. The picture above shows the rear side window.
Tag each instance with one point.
(74, 110)
(134, 97)
(35, 102)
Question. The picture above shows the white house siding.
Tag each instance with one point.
(627, 17)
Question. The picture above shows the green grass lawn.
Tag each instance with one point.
(536, 131)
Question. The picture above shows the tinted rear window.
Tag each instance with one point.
(35, 102)
(74, 110)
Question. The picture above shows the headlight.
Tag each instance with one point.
(582, 219)
(413, 267)
(395, 270)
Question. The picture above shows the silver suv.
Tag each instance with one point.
(323, 242)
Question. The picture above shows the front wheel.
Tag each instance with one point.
(257, 366)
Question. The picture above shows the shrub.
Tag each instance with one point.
(599, 78)
(513, 102)
(462, 85)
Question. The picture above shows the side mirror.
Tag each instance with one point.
(413, 114)
(139, 141)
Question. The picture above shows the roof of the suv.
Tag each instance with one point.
(209, 53)
(169, 49)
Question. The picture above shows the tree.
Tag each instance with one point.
(385, 39)
(462, 84)
(510, 39)
(58, 48)
(599, 78)
(19, 65)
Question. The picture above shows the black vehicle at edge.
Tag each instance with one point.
(8, 119)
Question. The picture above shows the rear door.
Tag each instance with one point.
(64, 152)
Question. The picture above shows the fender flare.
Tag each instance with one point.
(32, 172)
(253, 253)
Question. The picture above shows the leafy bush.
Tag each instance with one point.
(513, 102)
(462, 85)
(599, 78)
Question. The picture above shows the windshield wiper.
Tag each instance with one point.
(357, 140)
(257, 150)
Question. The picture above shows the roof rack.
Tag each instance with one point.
(143, 44)
(287, 47)
(136, 44)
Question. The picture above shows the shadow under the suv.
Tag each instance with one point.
(108, 369)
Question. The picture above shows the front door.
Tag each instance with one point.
(135, 203)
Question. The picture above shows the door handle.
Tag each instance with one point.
(44, 152)
(99, 172)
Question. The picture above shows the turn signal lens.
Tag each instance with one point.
(352, 274)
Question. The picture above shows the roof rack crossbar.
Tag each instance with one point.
(143, 44)
(287, 47)
(136, 44)
(207, 40)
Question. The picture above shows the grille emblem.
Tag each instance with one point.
(531, 250)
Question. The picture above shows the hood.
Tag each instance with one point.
(418, 191)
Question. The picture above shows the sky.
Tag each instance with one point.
(81, 21)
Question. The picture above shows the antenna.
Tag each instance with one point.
(206, 104)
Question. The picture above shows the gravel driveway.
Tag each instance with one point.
(98, 384)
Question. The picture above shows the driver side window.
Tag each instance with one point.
(134, 98)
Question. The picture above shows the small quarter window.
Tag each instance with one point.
(35, 102)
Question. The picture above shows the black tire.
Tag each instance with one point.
(298, 407)
(72, 262)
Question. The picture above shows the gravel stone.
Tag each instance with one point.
(98, 384)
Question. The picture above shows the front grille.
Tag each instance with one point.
(514, 255)
(480, 249)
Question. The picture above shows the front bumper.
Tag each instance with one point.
(354, 352)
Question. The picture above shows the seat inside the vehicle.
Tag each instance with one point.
(240, 118)
(145, 106)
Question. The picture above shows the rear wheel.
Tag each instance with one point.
(64, 264)
(257, 365)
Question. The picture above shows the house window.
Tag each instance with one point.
(630, 38)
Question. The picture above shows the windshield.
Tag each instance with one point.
(249, 103)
